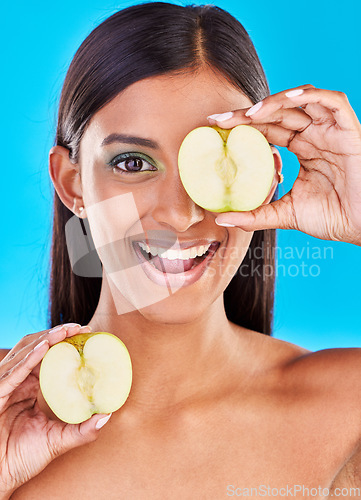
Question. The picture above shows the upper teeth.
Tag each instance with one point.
(189, 253)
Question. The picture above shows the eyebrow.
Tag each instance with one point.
(129, 139)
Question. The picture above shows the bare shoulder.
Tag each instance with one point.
(332, 369)
(330, 381)
(335, 374)
(335, 369)
(330, 378)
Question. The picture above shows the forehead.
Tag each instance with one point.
(171, 104)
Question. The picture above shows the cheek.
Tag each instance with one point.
(235, 251)
(113, 195)
(238, 244)
(113, 218)
(113, 222)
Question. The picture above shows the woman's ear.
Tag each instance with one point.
(277, 178)
(66, 179)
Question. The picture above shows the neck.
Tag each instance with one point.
(173, 363)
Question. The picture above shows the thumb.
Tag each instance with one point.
(73, 435)
(277, 215)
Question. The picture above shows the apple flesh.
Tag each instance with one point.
(85, 374)
(226, 170)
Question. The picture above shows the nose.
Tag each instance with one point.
(174, 207)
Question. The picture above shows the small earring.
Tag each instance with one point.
(281, 176)
(81, 209)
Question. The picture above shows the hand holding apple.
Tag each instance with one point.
(29, 440)
(322, 130)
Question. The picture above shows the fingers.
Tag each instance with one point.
(73, 435)
(278, 214)
(294, 119)
(279, 129)
(18, 364)
(242, 116)
(14, 376)
(27, 343)
(309, 104)
(59, 333)
(276, 134)
(320, 104)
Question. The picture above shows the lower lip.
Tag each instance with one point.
(173, 280)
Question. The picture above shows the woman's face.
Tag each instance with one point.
(139, 201)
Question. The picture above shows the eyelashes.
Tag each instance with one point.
(131, 163)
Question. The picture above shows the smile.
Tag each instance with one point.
(188, 253)
(181, 266)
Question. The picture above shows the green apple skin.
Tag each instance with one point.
(226, 170)
(86, 374)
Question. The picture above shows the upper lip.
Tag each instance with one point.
(183, 245)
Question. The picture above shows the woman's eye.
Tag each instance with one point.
(131, 164)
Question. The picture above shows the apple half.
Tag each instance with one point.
(85, 374)
(226, 170)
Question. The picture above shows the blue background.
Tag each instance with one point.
(298, 43)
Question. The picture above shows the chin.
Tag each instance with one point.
(176, 311)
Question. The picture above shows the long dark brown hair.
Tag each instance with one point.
(138, 42)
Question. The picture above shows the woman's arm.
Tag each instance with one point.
(322, 130)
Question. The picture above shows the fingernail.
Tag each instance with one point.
(85, 329)
(213, 117)
(294, 93)
(39, 345)
(56, 329)
(254, 108)
(225, 224)
(223, 116)
(71, 324)
(102, 421)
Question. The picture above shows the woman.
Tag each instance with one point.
(217, 405)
